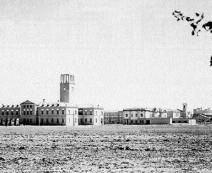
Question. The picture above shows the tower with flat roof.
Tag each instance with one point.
(67, 84)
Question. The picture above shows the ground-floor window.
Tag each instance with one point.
(57, 121)
(62, 120)
(52, 120)
(90, 120)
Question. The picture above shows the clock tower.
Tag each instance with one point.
(67, 83)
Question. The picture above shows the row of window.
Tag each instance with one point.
(10, 113)
(88, 112)
(27, 112)
(52, 112)
(27, 106)
(136, 115)
(90, 120)
(137, 122)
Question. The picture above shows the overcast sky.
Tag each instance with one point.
(123, 53)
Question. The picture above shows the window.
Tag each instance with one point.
(42, 112)
(136, 115)
(126, 115)
(30, 121)
(57, 112)
(131, 115)
(30, 106)
(30, 112)
(27, 106)
(24, 106)
(86, 120)
(91, 120)
(27, 112)
(142, 115)
(52, 111)
(16, 112)
(57, 121)
(96, 120)
(2, 113)
(52, 120)
(41, 121)
(63, 111)
(62, 120)
(47, 112)
(7, 113)
(47, 121)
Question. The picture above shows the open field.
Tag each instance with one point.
(109, 148)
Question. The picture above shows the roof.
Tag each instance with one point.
(55, 104)
(91, 107)
(27, 102)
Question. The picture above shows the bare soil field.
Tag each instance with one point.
(109, 148)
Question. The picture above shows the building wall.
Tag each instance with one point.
(10, 115)
(91, 116)
(28, 113)
(57, 115)
(144, 116)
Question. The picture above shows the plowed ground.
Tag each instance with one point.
(109, 148)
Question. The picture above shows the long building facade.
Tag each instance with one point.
(61, 113)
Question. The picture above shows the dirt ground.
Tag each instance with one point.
(109, 148)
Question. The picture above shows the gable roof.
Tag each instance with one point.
(27, 102)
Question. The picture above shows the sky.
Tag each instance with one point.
(123, 53)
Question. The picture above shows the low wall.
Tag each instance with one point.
(161, 121)
(180, 120)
